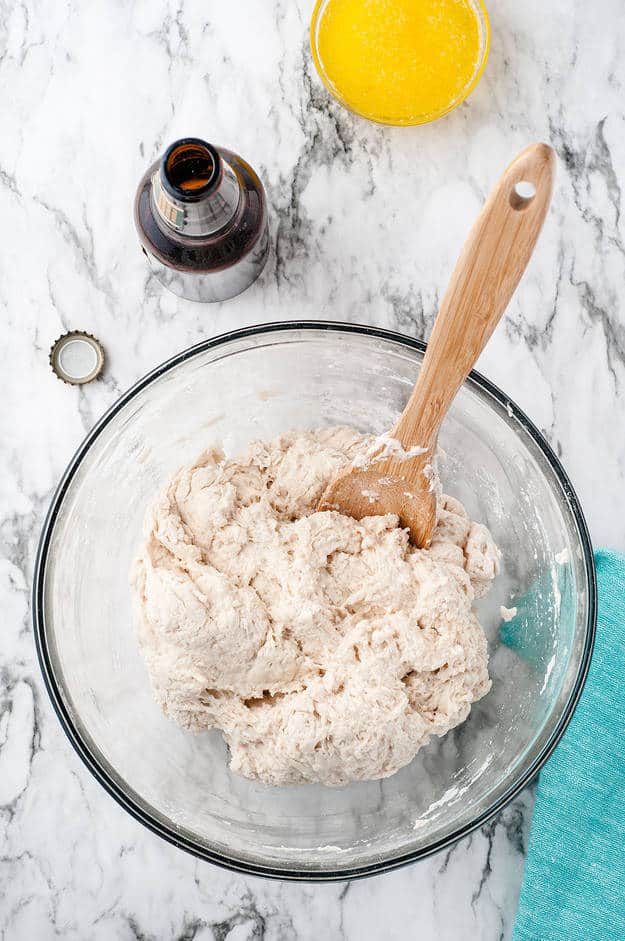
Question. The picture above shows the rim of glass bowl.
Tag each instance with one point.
(99, 768)
(416, 120)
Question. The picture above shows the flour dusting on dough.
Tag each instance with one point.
(385, 446)
(326, 649)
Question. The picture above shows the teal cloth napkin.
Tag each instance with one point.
(574, 883)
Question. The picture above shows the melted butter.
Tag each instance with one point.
(400, 61)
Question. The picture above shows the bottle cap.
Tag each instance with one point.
(77, 357)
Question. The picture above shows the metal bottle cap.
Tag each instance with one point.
(77, 357)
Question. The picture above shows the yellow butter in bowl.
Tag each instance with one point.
(400, 61)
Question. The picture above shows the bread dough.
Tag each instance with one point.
(326, 649)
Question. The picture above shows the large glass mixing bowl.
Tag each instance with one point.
(253, 384)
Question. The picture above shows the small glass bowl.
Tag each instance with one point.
(415, 119)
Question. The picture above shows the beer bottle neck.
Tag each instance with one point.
(195, 192)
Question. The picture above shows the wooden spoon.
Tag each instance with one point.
(397, 478)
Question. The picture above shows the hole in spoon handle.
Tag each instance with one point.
(522, 194)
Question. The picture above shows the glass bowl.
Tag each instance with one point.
(409, 120)
(251, 384)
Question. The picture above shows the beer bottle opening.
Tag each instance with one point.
(191, 168)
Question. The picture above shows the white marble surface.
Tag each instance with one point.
(366, 223)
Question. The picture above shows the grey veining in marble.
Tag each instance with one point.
(366, 223)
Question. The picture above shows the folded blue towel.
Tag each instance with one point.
(574, 883)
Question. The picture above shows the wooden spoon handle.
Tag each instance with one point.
(490, 267)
